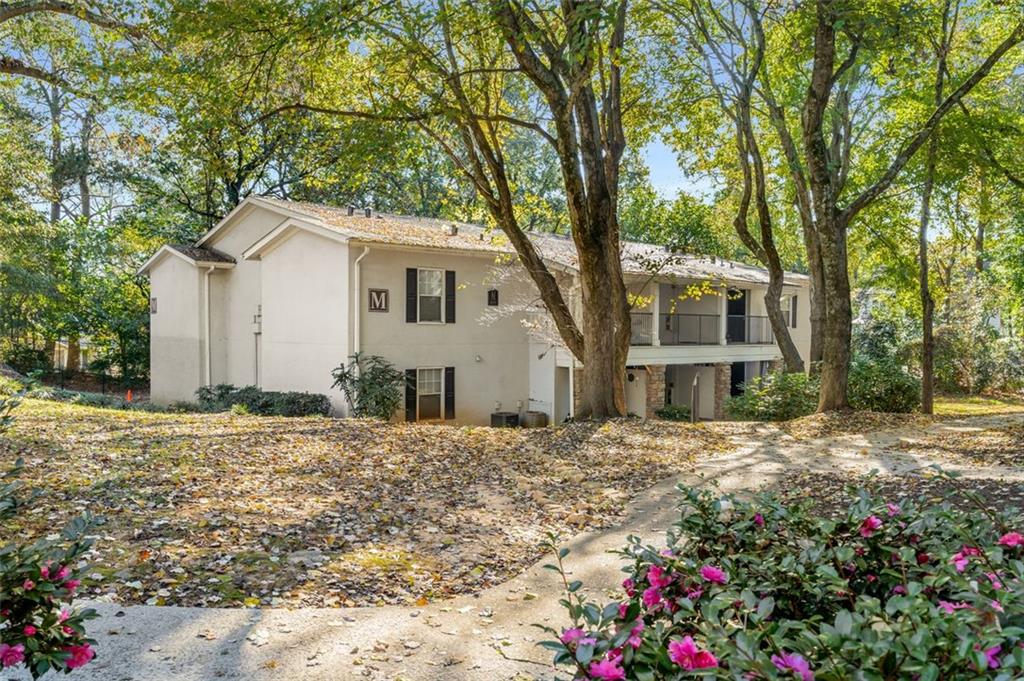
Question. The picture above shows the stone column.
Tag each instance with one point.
(577, 388)
(655, 388)
(723, 386)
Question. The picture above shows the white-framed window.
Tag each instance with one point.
(788, 305)
(429, 394)
(430, 296)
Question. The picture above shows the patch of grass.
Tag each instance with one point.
(977, 405)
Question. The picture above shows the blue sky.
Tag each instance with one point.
(666, 175)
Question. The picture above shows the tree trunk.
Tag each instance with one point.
(74, 358)
(817, 297)
(984, 208)
(56, 106)
(835, 365)
(927, 302)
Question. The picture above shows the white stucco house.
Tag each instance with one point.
(279, 293)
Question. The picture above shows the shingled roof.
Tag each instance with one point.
(637, 258)
(198, 254)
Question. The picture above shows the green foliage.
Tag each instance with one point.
(372, 386)
(673, 412)
(883, 385)
(964, 361)
(224, 397)
(887, 588)
(777, 396)
(22, 357)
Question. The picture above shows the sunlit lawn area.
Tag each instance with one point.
(977, 405)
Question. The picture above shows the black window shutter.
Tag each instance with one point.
(449, 392)
(410, 294)
(410, 393)
(449, 297)
(792, 312)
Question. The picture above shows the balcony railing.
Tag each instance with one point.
(676, 329)
(689, 329)
(700, 329)
(748, 329)
(640, 322)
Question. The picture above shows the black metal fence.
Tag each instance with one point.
(700, 329)
(748, 329)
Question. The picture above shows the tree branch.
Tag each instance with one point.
(914, 143)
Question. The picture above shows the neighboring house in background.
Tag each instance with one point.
(279, 293)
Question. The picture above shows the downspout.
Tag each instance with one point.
(356, 297)
(206, 324)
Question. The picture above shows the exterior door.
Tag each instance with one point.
(736, 313)
(636, 392)
(739, 376)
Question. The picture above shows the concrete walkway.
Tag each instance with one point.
(486, 637)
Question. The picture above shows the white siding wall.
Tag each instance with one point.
(176, 348)
(503, 372)
(304, 293)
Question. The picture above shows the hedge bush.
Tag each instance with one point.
(39, 628)
(673, 412)
(883, 385)
(888, 589)
(777, 396)
(224, 397)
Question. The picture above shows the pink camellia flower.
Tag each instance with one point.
(1012, 540)
(623, 607)
(635, 638)
(658, 578)
(44, 571)
(717, 575)
(606, 670)
(694, 592)
(950, 608)
(62, 574)
(28, 585)
(962, 557)
(687, 655)
(759, 520)
(651, 597)
(29, 630)
(900, 590)
(793, 662)
(11, 655)
(64, 615)
(997, 606)
(870, 525)
(630, 587)
(80, 656)
(570, 636)
(68, 631)
(893, 509)
(991, 655)
(994, 579)
(72, 584)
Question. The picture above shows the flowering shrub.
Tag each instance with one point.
(890, 589)
(38, 626)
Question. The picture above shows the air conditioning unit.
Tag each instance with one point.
(504, 419)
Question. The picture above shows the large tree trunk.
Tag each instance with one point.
(817, 296)
(835, 365)
(927, 302)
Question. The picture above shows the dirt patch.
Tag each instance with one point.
(202, 509)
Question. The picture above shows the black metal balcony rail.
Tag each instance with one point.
(675, 329)
(749, 330)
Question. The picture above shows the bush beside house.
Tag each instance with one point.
(226, 397)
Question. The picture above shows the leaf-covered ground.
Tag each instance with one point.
(831, 493)
(220, 510)
(999, 446)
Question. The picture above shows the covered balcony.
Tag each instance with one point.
(701, 329)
